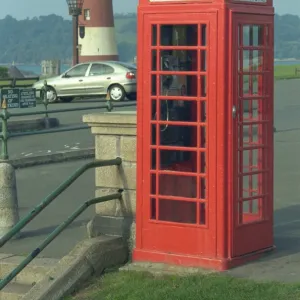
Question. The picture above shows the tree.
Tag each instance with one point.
(50, 37)
(3, 72)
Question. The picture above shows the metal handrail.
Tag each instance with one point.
(62, 110)
(54, 234)
(53, 130)
(52, 196)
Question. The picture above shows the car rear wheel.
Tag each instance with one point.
(66, 99)
(116, 93)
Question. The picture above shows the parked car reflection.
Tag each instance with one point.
(118, 79)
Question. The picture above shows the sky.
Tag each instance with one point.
(35, 8)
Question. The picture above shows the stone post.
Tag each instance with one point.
(115, 135)
(9, 211)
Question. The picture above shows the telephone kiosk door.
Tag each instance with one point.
(179, 203)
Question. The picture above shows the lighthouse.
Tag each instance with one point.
(97, 38)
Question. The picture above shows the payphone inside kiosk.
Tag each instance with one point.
(205, 132)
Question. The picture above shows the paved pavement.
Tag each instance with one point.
(283, 264)
(55, 142)
(34, 184)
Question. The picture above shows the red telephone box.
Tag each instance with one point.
(205, 131)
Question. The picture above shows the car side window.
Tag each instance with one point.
(100, 69)
(78, 71)
(96, 70)
(108, 70)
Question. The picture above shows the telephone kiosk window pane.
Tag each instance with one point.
(179, 35)
(169, 157)
(177, 135)
(177, 185)
(178, 173)
(177, 211)
(153, 85)
(154, 35)
(175, 111)
(253, 35)
(173, 136)
(178, 60)
(154, 61)
(203, 35)
(178, 85)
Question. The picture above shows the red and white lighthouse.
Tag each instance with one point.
(97, 39)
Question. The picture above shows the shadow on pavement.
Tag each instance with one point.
(287, 230)
(47, 230)
(286, 233)
(287, 130)
(89, 100)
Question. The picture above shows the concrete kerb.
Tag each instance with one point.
(31, 161)
(31, 124)
(90, 257)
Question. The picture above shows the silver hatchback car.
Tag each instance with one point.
(98, 78)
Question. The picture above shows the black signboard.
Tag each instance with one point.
(27, 98)
(11, 96)
(19, 98)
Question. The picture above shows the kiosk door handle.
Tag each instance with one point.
(234, 111)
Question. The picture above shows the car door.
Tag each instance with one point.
(72, 82)
(98, 79)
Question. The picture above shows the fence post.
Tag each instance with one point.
(4, 133)
(9, 210)
(45, 102)
(109, 105)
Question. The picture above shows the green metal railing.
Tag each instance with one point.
(52, 196)
(5, 115)
(54, 234)
(49, 199)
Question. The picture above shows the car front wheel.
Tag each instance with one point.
(116, 93)
(51, 95)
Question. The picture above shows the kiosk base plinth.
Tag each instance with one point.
(219, 264)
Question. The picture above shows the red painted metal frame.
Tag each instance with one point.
(217, 244)
(253, 230)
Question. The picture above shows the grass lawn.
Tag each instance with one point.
(143, 286)
(286, 72)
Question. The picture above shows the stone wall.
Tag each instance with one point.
(115, 136)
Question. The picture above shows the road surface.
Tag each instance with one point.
(56, 142)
